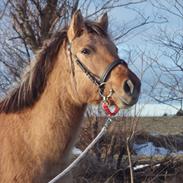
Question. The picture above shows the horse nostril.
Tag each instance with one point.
(128, 87)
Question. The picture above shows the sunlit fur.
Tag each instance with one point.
(41, 117)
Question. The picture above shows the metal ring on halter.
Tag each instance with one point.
(105, 98)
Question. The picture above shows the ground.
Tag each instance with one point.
(108, 162)
(162, 125)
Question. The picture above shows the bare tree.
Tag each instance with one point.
(169, 61)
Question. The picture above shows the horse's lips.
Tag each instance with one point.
(121, 104)
(124, 101)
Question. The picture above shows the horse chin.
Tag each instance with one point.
(121, 103)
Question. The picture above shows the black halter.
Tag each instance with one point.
(99, 81)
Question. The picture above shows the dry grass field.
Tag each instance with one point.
(109, 161)
(163, 125)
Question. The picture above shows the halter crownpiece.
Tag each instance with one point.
(99, 81)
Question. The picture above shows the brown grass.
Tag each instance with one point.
(108, 162)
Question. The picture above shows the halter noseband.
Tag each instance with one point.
(99, 81)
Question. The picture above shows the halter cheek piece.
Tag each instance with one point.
(99, 81)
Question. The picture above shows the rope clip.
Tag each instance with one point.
(106, 105)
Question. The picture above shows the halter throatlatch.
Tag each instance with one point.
(100, 81)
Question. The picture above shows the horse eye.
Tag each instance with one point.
(85, 51)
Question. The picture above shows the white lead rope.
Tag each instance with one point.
(76, 161)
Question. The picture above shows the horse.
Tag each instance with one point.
(41, 117)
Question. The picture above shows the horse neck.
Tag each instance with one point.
(56, 116)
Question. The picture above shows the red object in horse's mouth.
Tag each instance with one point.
(106, 108)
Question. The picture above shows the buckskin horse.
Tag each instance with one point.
(40, 118)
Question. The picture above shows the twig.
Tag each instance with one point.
(130, 160)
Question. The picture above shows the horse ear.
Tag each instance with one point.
(104, 21)
(76, 25)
